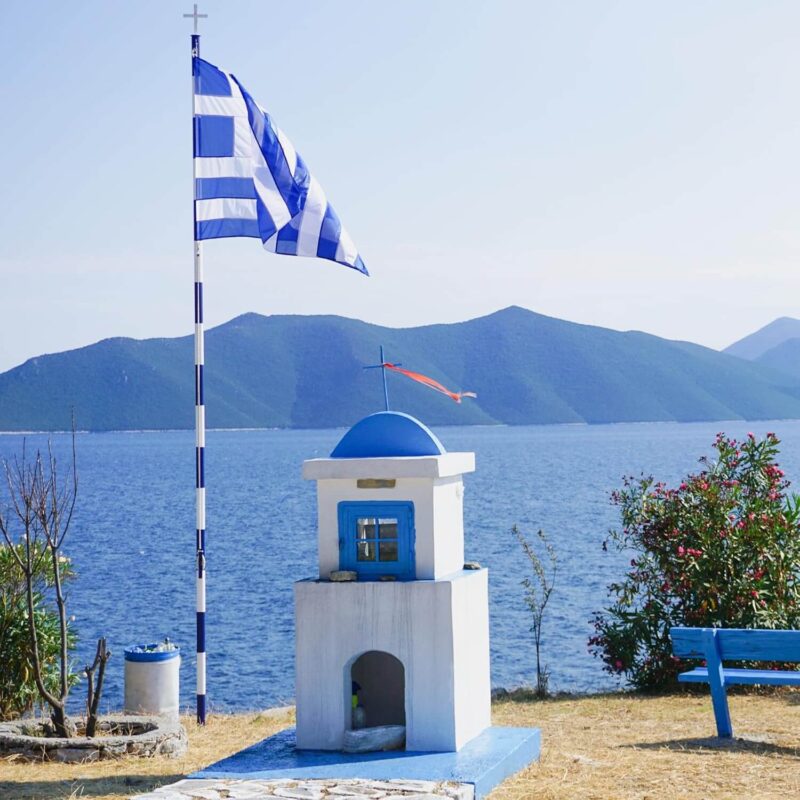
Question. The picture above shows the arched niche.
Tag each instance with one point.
(381, 679)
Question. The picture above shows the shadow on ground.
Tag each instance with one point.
(753, 745)
(83, 787)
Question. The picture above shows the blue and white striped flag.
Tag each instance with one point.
(250, 181)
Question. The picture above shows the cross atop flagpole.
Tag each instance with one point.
(199, 417)
(195, 16)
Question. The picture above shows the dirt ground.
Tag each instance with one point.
(614, 747)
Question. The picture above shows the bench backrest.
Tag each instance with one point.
(737, 644)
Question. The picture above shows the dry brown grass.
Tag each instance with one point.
(222, 736)
(623, 747)
(614, 747)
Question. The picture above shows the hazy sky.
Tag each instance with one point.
(627, 164)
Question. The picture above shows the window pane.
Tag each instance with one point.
(365, 528)
(388, 551)
(388, 528)
(366, 551)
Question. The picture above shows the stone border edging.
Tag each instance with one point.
(160, 736)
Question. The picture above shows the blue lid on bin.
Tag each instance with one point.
(155, 651)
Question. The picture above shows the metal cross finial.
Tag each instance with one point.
(195, 16)
(382, 368)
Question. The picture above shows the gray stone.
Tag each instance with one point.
(355, 789)
(380, 737)
(245, 792)
(141, 736)
(425, 787)
(161, 794)
(426, 796)
(352, 789)
(343, 576)
(459, 791)
(304, 792)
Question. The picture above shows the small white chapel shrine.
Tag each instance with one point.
(400, 636)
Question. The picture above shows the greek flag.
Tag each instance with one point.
(250, 181)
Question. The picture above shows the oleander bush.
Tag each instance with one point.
(18, 692)
(721, 549)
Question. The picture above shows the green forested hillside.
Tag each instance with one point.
(294, 371)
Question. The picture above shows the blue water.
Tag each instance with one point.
(132, 541)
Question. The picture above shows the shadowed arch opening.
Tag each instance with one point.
(380, 681)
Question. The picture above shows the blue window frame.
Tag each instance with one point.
(377, 538)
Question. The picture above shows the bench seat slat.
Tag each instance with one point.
(739, 644)
(750, 677)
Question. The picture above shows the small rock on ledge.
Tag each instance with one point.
(343, 576)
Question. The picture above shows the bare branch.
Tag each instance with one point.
(43, 510)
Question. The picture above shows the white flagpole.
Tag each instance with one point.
(200, 421)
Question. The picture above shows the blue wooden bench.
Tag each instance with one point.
(717, 645)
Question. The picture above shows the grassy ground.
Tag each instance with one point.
(648, 748)
(608, 746)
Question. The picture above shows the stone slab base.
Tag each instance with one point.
(207, 789)
(484, 762)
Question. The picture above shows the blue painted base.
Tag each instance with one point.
(483, 762)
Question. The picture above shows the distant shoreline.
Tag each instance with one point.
(432, 425)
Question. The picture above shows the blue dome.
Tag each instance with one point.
(387, 434)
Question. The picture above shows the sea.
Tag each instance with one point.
(132, 541)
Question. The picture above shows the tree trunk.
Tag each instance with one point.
(94, 692)
(62, 724)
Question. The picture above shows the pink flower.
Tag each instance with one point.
(618, 664)
(681, 550)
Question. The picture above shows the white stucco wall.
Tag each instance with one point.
(443, 466)
(432, 483)
(447, 533)
(331, 492)
(436, 629)
(471, 662)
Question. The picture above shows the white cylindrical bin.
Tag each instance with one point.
(152, 679)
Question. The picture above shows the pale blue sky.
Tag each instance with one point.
(628, 164)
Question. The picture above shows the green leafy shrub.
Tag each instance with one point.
(18, 692)
(720, 550)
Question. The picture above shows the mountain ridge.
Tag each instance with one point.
(756, 344)
(307, 371)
